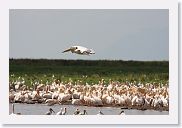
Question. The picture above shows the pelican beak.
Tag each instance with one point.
(67, 50)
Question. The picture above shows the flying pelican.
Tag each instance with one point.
(80, 50)
(50, 111)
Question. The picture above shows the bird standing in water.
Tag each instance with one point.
(122, 113)
(65, 111)
(84, 113)
(60, 112)
(13, 110)
(77, 112)
(50, 111)
(100, 113)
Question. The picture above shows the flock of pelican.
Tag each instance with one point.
(126, 95)
(129, 95)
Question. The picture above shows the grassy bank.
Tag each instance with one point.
(89, 71)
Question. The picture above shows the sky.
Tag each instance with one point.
(114, 34)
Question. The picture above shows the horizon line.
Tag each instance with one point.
(81, 59)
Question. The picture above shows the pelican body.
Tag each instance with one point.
(80, 50)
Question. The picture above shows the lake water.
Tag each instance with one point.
(41, 109)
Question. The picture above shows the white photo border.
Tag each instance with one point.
(172, 5)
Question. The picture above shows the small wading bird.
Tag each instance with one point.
(61, 112)
(122, 113)
(80, 50)
(77, 112)
(83, 113)
(13, 111)
(100, 113)
(50, 111)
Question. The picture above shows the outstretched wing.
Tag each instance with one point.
(92, 51)
(89, 51)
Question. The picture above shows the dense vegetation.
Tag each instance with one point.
(90, 71)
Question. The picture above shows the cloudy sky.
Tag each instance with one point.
(113, 34)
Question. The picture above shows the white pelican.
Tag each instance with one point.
(80, 50)
(50, 111)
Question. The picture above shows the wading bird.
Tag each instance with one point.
(122, 113)
(77, 112)
(65, 111)
(60, 112)
(80, 50)
(50, 111)
(83, 113)
(13, 111)
(100, 113)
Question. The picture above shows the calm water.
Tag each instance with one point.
(41, 109)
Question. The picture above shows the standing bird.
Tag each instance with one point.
(65, 111)
(100, 113)
(77, 112)
(60, 112)
(13, 111)
(122, 113)
(84, 113)
(50, 111)
(80, 50)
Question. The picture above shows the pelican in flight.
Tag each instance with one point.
(80, 50)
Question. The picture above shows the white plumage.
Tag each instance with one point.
(80, 50)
